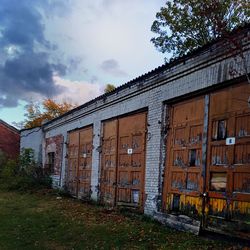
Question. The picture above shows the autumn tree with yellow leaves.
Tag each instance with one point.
(49, 109)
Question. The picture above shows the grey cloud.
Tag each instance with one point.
(107, 3)
(30, 70)
(8, 101)
(74, 63)
(112, 67)
(21, 24)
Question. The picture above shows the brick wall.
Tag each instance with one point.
(9, 141)
(54, 145)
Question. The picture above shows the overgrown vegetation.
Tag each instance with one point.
(109, 87)
(22, 174)
(46, 221)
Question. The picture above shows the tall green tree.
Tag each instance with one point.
(183, 25)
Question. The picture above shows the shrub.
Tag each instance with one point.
(9, 170)
(24, 174)
(3, 160)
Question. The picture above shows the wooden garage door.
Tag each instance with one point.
(85, 162)
(131, 160)
(80, 162)
(73, 149)
(183, 182)
(123, 161)
(213, 184)
(228, 161)
(109, 162)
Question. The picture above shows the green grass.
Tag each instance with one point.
(41, 221)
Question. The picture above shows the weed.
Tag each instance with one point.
(23, 174)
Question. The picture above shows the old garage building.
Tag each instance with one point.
(172, 142)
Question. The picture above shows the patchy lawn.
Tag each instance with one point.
(42, 221)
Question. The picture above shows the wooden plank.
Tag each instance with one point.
(229, 108)
(109, 162)
(78, 178)
(131, 160)
(184, 155)
(85, 162)
(73, 150)
(228, 166)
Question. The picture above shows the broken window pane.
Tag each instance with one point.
(219, 130)
(194, 158)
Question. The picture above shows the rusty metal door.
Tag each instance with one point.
(78, 179)
(228, 161)
(73, 148)
(109, 162)
(183, 182)
(85, 162)
(123, 161)
(131, 160)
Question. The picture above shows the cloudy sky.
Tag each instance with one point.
(70, 49)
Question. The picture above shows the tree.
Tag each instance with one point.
(109, 88)
(183, 25)
(50, 110)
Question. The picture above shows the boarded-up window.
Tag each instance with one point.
(218, 182)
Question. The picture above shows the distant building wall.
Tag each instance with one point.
(9, 140)
(33, 138)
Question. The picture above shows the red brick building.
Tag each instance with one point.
(9, 139)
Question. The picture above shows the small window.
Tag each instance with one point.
(219, 130)
(194, 158)
(51, 162)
